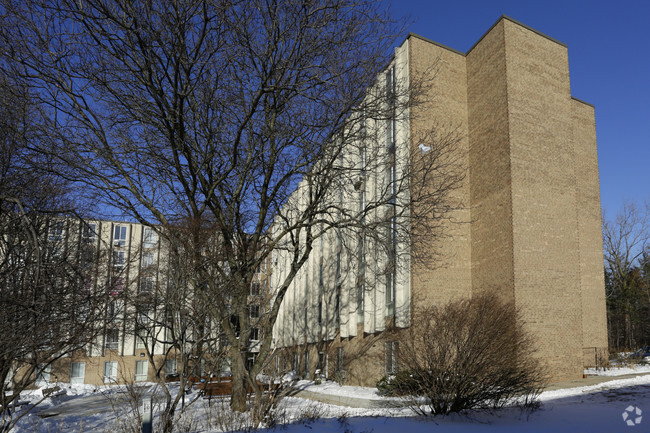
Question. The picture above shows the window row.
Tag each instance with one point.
(111, 370)
(57, 229)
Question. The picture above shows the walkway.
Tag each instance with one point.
(368, 403)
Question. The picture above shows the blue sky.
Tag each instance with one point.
(609, 61)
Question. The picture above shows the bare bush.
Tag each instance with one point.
(469, 354)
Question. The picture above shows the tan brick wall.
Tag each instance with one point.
(490, 177)
(445, 108)
(594, 318)
(534, 193)
(94, 369)
(544, 224)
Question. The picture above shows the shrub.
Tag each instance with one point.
(469, 354)
(401, 384)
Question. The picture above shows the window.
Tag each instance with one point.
(55, 239)
(337, 307)
(143, 316)
(390, 124)
(140, 338)
(55, 233)
(361, 281)
(110, 371)
(119, 259)
(149, 237)
(362, 186)
(390, 292)
(255, 334)
(112, 338)
(147, 259)
(323, 359)
(393, 183)
(117, 286)
(87, 255)
(170, 367)
(250, 360)
(88, 233)
(339, 360)
(361, 304)
(338, 261)
(391, 357)
(255, 288)
(392, 177)
(254, 311)
(119, 236)
(141, 368)
(320, 291)
(390, 267)
(113, 309)
(77, 372)
(146, 285)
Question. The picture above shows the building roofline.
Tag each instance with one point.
(415, 35)
(512, 20)
(502, 17)
(583, 102)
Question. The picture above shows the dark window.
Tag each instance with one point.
(119, 236)
(146, 285)
(112, 338)
(119, 259)
(255, 288)
(56, 232)
(392, 348)
(149, 237)
(88, 233)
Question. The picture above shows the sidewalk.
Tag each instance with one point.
(349, 401)
(387, 402)
(589, 380)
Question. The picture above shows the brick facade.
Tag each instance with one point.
(530, 225)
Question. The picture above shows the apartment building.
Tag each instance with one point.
(144, 315)
(125, 260)
(529, 228)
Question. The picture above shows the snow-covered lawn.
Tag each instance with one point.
(595, 408)
(620, 371)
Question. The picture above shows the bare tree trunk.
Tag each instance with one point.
(239, 383)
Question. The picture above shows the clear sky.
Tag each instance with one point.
(609, 63)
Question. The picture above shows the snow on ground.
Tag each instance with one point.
(619, 371)
(333, 388)
(595, 408)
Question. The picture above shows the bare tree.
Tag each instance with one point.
(168, 319)
(241, 116)
(625, 241)
(49, 310)
(481, 358)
